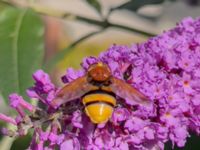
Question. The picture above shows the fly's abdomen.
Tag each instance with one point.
(99, 106)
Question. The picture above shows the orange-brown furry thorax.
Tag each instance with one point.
(99, 72)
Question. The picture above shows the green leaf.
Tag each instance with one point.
(134, 5)
(95, 4)
(21, 49)
(21, 143)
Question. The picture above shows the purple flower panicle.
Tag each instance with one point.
(43, 89)
(165, 69)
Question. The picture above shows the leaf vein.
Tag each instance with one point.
(16, 48)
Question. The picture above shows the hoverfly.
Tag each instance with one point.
(98, 89)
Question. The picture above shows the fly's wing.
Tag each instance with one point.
(126, 91)
(72, 91)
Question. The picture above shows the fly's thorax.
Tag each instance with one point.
(99, 106)
(99, 72)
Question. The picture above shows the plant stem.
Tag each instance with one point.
(104, 24)
(60, 55)
(66, 15)
(132, 29)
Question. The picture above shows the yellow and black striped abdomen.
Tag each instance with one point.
(99, 106)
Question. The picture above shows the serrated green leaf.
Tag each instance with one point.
(134, 5)
(21, 49)
(95, 4)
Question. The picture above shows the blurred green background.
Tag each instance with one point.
(54, 35)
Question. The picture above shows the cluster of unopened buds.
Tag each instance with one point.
(166, 69)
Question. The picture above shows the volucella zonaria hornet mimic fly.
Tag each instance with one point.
(98, 89)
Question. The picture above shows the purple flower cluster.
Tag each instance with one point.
(166, 69)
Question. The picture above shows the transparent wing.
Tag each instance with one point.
(126, 91)
(72, 91)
